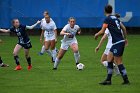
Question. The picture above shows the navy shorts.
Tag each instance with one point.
(118, 49)
(26, 46)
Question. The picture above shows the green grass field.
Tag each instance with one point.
(42, 79)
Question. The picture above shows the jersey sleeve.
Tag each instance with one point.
(54, 27)
(65, 28)
(106, 22)
(11, 29)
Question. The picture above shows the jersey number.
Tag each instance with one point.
(117, 23)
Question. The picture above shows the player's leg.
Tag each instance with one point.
(42, 50)
(54, 53)
(122, 69)
(109, 70)
(47, 48)
(2, 64)
(104, 60)
(28, 58)
(74, 47)
(58, 58)
(16, 58)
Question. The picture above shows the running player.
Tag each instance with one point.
(23, 41)
(49, 31)
(43, 47)
(108, 46)
(69, 32)
(118, 33)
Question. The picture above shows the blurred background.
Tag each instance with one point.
(89, 14)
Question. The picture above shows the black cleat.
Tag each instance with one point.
(105, 83)
(4, 65)
(52, 60)
(126, 82)
(54, 68)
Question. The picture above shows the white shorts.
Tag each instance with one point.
(107, 51)
(49, 38)
(65, 45)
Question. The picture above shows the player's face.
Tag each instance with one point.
(72, 22)
(45, 13)
(16, 23)
(47, 18)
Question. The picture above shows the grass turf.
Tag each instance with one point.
(67, 79)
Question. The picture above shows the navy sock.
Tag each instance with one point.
(123, 72)
(17, 60)
(109, 71)
(29, 61)
(0, 60)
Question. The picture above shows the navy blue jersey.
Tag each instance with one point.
(114, 28)
(21, 34)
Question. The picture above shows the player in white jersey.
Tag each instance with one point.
(106, 52)
(50, 35)
(69, 40)
(42, 34)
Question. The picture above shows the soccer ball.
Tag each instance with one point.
(80, 66)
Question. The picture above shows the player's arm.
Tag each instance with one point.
(63, 32)
(55, 31)
(101, 31)
(124, 33)
(34, 25)
(5, 30)
(101, 42)
(79, 31)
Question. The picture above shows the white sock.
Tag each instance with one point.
(49, 52)
(116, 69)
(57, 61)
(105, 63)
(43, 49)
(77, 57)
(54, 53)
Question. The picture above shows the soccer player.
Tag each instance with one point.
(69, 40)
(23, 41)
(43, 47)
(108, 46)
(2, 64)
(49, 31)
(118, 33)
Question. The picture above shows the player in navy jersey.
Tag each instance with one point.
(23, 41)
(118, 33)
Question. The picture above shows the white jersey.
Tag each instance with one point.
(48, 27)
(68, 29)
(109, 43)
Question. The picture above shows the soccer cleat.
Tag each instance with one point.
(18, 68)
(4, 65)
(29, 67)
(105, 83)
(126, 82)
(54, 68)
(40, 54)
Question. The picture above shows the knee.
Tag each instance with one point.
(14, 53)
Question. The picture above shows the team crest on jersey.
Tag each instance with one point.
(115, 50)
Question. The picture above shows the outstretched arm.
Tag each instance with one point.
(101, 31)
(34, 25)
(4, 30)
(101, 42)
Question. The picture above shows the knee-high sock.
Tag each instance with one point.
(43, 49)
(49, 52)
(123, 72)
(17, 60)
(57, 61)
(54, 53)
(29, 61)
(109, 71)
(105, 63)
(77, 57)
(116, 69)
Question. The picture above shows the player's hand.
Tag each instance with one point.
(126, 42)
(41, 41)
(79, 32)
(96, 36)
(38, 22)
(68, 34)
(96, 49)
